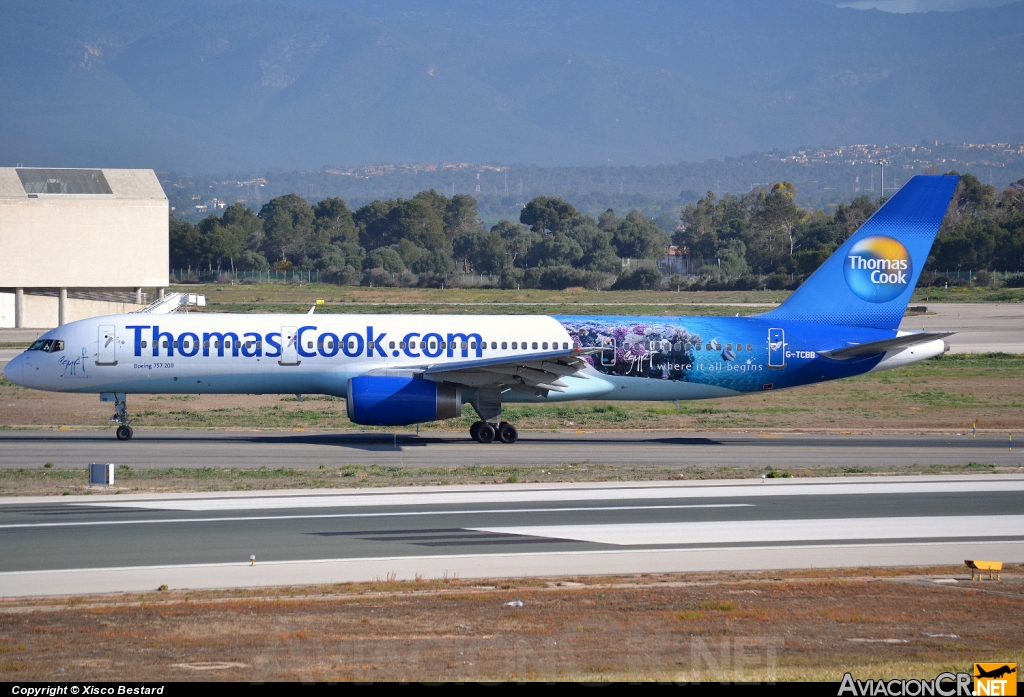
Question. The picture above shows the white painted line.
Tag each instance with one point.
(725, 532)
(521, 565)
(354, 499)
(155, 521)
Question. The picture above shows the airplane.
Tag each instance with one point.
(396, 370)
(996, 672)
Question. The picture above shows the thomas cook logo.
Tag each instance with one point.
(878, 269)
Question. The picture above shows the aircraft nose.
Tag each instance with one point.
(14, 370)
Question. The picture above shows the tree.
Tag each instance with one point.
(483, 252)
(518, 240)
(607, 221)
(288, 223)
(386, 258)
(460, 216)
(546, 213)
(638, 238)
(774, 217)
(598, 253)
(334, 220)
(185, 243)
(372, 221)
(555, 249)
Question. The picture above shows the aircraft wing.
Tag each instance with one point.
(884, 345)
(529, 373)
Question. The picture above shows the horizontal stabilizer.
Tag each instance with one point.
(884, 345)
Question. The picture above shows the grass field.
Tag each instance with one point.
(342, 299)
(749, 627)
(948, 393)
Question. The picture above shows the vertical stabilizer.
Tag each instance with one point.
(868, 281)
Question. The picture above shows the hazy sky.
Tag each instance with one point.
(920, 5)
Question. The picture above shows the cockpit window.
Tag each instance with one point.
(47, 345)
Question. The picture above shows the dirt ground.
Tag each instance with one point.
(812, 624)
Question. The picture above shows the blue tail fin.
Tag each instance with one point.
(870, 278)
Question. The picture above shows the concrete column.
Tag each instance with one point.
(160, 293)
(62, 307)
(19, 308)
(138, 296)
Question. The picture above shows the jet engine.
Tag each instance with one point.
(379, 400)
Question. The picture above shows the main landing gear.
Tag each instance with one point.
(124, 429)
(485, 432)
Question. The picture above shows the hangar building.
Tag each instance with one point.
(78, 243)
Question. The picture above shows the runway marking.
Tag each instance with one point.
(776, 488)
(722, 532)
(570, 509)
(424, 558)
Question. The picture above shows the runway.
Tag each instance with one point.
(135, 543)
(254, 449)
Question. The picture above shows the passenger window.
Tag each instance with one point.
(545, 345)
(351, 345)
(309, 344)
(707, 346)
(472, 344)
(433, 345)
(565, 344)
(750, 347)
(514, 345)
(391, 344)
(739, 347)
(165, 343)
(535, 345)
(728, 347)
(259, 344)
(143, 344)
(369, 345)
(248, 344)
(401, 344)
(494, 344)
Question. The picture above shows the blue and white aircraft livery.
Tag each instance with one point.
(406, 369)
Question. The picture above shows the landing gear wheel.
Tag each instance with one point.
(485, 433)
(507, 433)
(124, 432)
(475, 429)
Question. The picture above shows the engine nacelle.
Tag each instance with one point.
(381, 400)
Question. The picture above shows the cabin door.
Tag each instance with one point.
(776, 348)
(107, 354)
(289, 346)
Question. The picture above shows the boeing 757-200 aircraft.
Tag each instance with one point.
(407, 369)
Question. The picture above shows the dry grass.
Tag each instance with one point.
(949, 393)
(738, 626)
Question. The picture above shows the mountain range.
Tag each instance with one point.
(218, 85)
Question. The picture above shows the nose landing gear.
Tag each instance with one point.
(124, 429)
